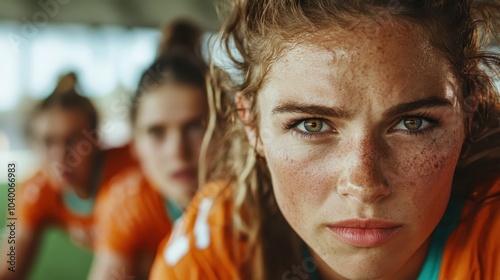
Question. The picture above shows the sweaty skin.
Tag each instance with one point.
(364, 162)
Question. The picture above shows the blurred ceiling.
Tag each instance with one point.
(128, 13)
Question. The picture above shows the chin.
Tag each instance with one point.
(185, 186)
(368, 267)
(61, 184)
(186, 191)
(179, 191)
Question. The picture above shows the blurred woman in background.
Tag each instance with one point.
(63, 132)
(168, 114)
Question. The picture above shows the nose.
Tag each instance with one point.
(362, 177)
(57, 152)
(175, 145)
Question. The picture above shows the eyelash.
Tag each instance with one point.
(292, 125)
(433, 124)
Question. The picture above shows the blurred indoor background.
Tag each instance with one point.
(107, 44)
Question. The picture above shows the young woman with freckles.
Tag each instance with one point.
(363, 143)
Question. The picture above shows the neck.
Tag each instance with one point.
(93, 181)
(83, 193)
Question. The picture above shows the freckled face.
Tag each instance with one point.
(362, 133)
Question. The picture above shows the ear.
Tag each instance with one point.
(243, 107)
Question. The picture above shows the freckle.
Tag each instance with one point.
(436, 165)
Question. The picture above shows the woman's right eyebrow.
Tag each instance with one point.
(296, 107)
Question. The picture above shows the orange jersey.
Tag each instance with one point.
(41, 204)
(130, 215)
(472, 250)
(200, 246)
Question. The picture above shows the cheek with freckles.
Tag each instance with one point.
(301, 178)
(426, 166)
(422, 177)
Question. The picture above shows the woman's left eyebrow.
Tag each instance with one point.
(419, 104)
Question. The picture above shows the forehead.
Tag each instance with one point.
(171, 103)
(387, 58)
(60, 121)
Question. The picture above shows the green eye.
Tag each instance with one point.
(413, 123)
(156, 132)
(313, 125)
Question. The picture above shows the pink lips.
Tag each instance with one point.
(186, 174)
(364, 233)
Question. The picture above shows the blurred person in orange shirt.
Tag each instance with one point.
(63, 132)
(168, 116)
